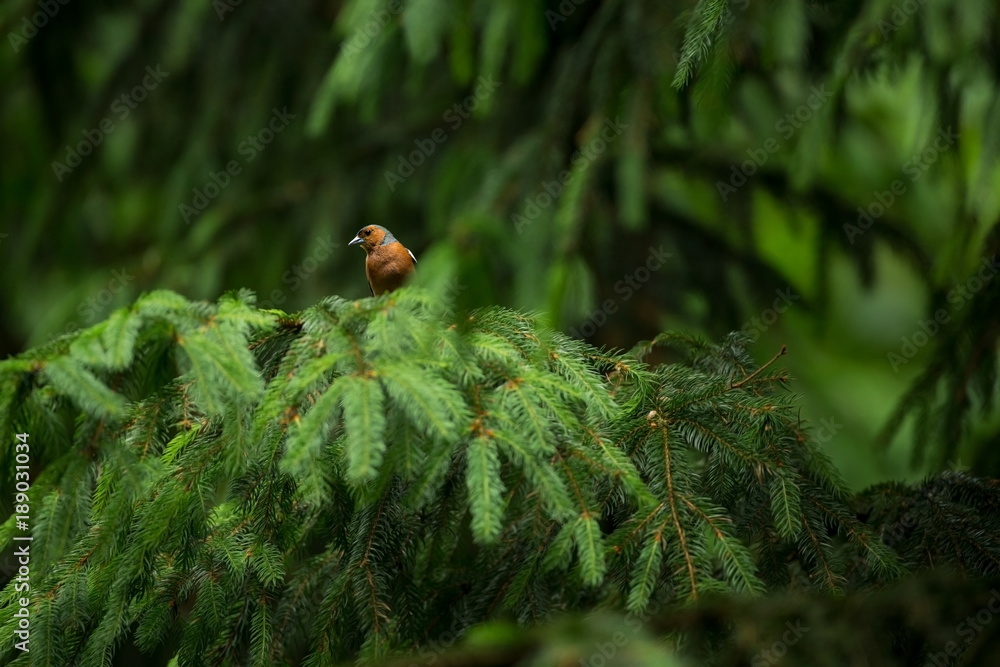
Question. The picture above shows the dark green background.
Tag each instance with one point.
(813, 109)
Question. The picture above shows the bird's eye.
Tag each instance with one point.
(368, 232)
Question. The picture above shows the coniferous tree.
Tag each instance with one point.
(240, 486)
(697, 88)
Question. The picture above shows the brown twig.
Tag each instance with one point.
(781, 353)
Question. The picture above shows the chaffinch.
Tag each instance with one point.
(388, 262)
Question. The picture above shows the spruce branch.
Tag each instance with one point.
(749, 378)
(346, 482)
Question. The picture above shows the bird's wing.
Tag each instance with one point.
(412, 256)
(370, 288)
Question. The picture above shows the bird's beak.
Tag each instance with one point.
(356, 240)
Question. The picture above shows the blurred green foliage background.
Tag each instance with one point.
(819, 174)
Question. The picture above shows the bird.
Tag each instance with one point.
(388, 263)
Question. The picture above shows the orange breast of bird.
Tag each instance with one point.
(387, 267)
